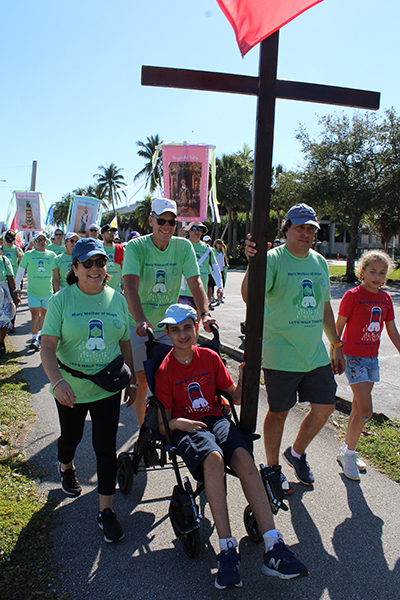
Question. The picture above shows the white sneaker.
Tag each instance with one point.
(349, 466)
(361, 466)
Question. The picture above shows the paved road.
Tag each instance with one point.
(346, 533)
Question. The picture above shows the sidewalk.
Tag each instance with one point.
(386, 393)
(346, 533)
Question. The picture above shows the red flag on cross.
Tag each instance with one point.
(254, 20)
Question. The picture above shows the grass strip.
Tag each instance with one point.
(26, 568)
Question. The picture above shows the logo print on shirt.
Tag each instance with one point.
(308, 299)
(110, 262)
(160, 287)
(375, 322)
(40, 266)
(96, 335)
(196, 396)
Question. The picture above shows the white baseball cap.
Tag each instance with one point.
(178, 313)
(162, 205)
(94, 226)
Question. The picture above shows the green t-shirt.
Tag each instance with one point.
(62, 262)
(113, 269)
(296, 292)
(205, 268)
(89, 328)
(38, 266)
(12, 255)
(160, 273)
(5, 268)
(56, 248)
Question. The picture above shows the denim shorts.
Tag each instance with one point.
(317, 387)
(221, 436)
(362, 368)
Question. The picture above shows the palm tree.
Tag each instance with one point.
(152, 172)
(143, 211)
(61, 210)
(109, 184)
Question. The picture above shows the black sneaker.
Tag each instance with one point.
(69, 482)
(281, 562)
(279, 483)
(35, 345)
(2, 348)
(300, 466)
(228, 574)
(110, 525)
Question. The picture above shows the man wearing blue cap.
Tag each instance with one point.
(294, 358)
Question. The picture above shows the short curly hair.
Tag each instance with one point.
(368, 257)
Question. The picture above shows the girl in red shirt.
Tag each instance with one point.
(363, 311)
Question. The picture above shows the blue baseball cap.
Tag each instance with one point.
(86, 248)
(178, 313)
(302, 214)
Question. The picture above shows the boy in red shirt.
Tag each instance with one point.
(185, 383)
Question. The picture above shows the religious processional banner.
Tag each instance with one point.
(185, 174)
(28, 215)
(255, 20)
(83, 213)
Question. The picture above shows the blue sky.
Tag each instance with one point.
(71, 96)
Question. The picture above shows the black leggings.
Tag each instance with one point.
(105, 418)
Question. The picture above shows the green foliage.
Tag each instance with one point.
(152, 173)
(142, 212)
(109, 184)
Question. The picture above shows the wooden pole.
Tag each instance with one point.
(33, 176)
(259, 228)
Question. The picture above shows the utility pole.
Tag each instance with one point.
(33, 177)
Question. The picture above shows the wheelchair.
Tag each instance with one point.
(154, 451)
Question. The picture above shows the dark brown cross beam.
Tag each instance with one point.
(267, 87)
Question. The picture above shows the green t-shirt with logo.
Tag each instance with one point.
(89, 328)
(56, 248)
(113, 268)
(62, 262)
(38, 266)
(205, 268)
(296, 292)
(5, 268)
(12, 255)
(160, 273)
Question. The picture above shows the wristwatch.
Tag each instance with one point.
(205, 314)
(134, 385)
(338, 345)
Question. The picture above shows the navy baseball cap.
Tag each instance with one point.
(302, 214)
(86, 248)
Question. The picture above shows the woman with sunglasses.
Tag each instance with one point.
(86, 329)
(57, 245)
(62, 262)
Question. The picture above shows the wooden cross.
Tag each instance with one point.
(267, 87)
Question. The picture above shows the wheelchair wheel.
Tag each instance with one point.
(124, 473)
(191, 543)
(251, 525)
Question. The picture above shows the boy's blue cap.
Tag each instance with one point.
(86, 248)
(178, 313)
(302, 214)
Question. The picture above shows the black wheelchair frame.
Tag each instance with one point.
(152, 451)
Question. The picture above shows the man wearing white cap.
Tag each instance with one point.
(152, 274)
(94, 231)
(294, 358)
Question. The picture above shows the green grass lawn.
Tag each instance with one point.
(338, 270)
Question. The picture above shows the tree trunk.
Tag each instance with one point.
(234, 241)
(229, 232)
(350, 276)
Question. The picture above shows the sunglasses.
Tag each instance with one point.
(58, 234)
(99, 262)
(92, 230)
(41, 241)
(72, 240)
(171, 222)
(197, 229)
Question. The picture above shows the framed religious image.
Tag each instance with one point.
(84, 211)
(185, 172)
(28, 211)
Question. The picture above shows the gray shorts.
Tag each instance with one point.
(317, 387)
(139, 346)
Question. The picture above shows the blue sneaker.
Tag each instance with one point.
(228, 574)
(300, 466)
(281, 562)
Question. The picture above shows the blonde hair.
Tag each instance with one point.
(368, 257)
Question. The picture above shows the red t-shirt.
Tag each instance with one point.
(190, 389)
(366, 313)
